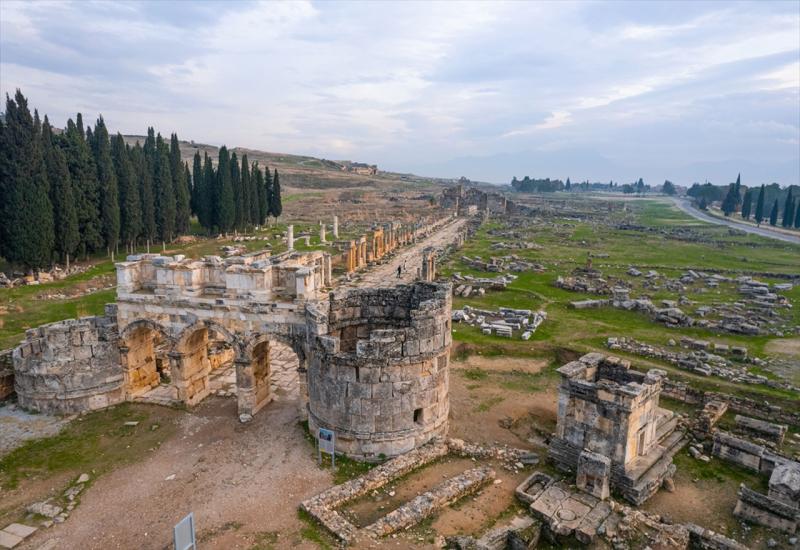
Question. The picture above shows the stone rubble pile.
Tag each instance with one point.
(502, 322)
(230, 250)
(467, 285)
(39, 277)
(523, 245)
(696, 360)
(505, 263)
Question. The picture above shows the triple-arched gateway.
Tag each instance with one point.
(373, 363)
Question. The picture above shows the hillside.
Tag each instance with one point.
(304, 172)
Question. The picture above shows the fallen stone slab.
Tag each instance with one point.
(9, 540)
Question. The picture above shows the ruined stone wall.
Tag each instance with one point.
(759, 409)
(70, 366)
(378, 374)
(6, 373)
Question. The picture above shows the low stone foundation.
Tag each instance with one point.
(428, 502)
(764, 510)
(70, 366)
(322, 507)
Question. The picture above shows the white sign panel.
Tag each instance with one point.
(183, 534)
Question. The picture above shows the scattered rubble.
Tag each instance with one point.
(502, 322)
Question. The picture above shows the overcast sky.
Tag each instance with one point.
(681, 90)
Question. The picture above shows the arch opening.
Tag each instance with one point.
(144, 356)
(269, 369)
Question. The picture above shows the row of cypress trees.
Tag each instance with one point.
(79, 191)
(791, 209)
(235, 195)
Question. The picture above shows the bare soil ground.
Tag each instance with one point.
(241, 481)
(489, 410)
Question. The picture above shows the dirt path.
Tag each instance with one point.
(242, 481)
(687, 208)
(410, 257)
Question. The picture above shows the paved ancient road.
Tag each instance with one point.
(386, 274)
(686, 207)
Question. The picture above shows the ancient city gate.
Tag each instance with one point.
(172, 310)
(374, 362)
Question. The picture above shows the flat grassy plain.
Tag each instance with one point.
(567, 243)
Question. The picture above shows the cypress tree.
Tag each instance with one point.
(208, 198)
(760, 205)
(266, 197)
(747, 204)
(238, 194)
(737, 190)
(261, 192)
(773, 215)
(197, 184)
(275, 204)
(180, 185)
(107, 181)
(65, 217)
(729, 203)
(568, 185)
(26, 222)
(144, 180)
(788, 210)
(84, 186)
(797, 215)
(224, 205)
(164, 192)
(130, 212)
(252, 191)
(245, 191)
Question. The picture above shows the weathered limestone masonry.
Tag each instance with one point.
(780, 507)
(246, 301)
(378, 357)
(378, 370)
(382, 239)
(611, 430)
(70, 366)
(428, 271)
(6, 373)
(323, 507)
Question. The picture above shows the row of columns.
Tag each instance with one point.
(322, 233)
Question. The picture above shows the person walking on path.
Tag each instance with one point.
(399, 270)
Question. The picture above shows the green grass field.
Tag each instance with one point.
(567, 243)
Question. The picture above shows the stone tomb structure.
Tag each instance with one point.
(610, 429)
(375, 360)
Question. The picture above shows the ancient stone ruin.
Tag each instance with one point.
(611, 430)
(378, 374)
(377, 359)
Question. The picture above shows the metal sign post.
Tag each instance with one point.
(326, 442)
(183, 534)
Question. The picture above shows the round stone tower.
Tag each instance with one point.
(378, 375)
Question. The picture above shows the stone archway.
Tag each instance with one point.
(270, 366)
(144, 355)
(190, 360)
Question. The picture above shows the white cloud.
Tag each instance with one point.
(406, 84)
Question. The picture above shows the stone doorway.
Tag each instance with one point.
(144, 354)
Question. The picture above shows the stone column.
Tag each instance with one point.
(290, 237)
(328, 270)
(336, 227)
(245, 390)
(322, 233)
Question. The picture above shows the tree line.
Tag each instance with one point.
(79, 191)
(767, 203)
